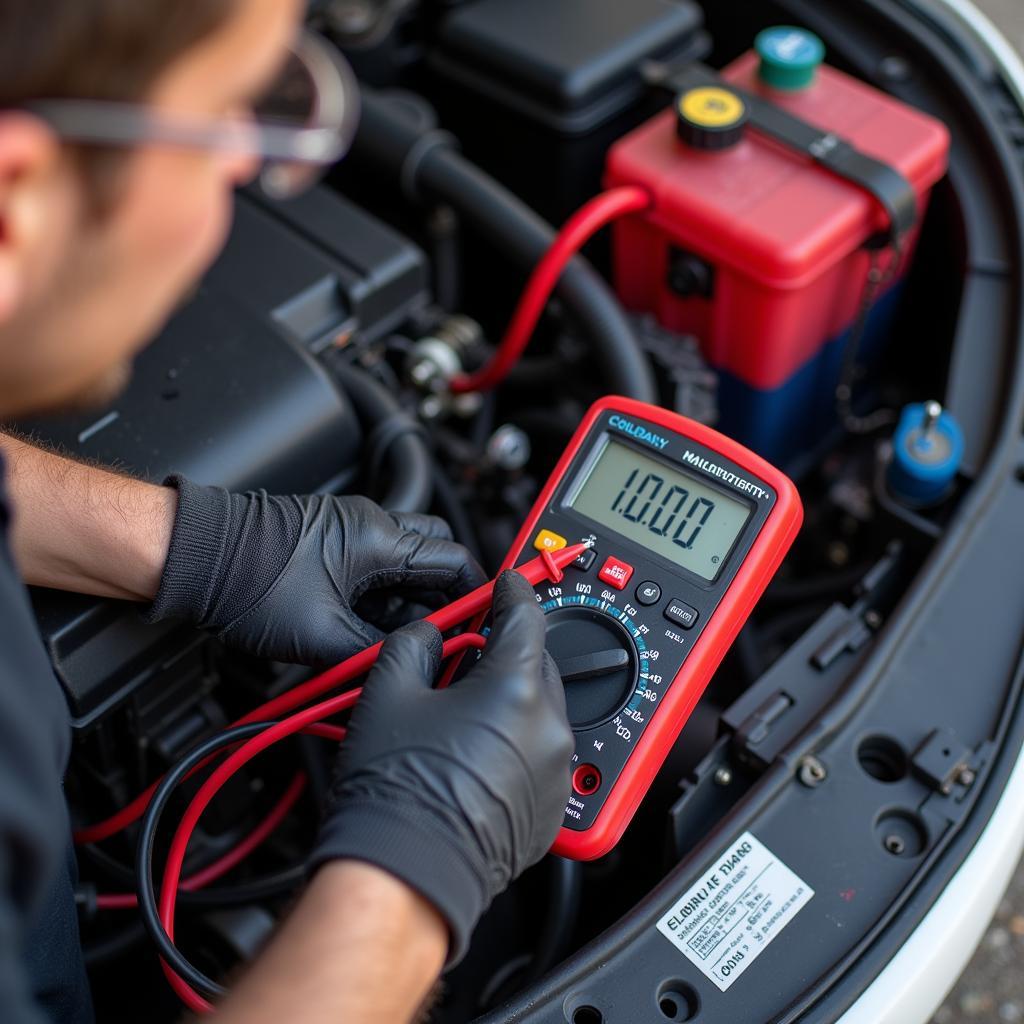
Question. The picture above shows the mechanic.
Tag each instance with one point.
(441, 797)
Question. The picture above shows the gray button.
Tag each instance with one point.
(585, 559)
(648, 593)
(681, 613)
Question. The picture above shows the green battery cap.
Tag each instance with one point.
(789, 56)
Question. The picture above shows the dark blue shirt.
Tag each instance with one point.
(41, 974)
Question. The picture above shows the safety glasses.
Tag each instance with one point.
(304, 123)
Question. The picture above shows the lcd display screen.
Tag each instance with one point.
(667, 511)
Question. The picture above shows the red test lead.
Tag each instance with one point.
(463, 609)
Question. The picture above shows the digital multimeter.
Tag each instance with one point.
(686, 528)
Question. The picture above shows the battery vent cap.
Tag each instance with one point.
(710, 117)
(789, 57)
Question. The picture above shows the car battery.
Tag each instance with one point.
(758, 245)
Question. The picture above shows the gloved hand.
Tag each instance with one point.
(455, 791)
(280, 577)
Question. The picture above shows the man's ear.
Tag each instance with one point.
(29, 152)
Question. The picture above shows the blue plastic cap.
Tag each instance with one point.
(928, 448)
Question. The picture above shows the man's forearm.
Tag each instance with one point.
(81, 528)
(359, 947)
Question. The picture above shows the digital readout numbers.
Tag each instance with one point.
(634, 503)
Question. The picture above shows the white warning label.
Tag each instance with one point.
(727, 917)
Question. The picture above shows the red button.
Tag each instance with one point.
(615, 572)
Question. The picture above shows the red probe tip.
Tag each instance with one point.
(548, 565)
(573, 551)
(569, 554)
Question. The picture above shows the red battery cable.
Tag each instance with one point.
(577, 231)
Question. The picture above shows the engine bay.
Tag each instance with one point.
(803, 296)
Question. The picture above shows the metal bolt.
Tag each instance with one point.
(422, 373)
(509, 448)
(932, 412)
(811, 772)
(431, 407)
(459, 332)
(966, 777)
(872, 619)
(436, 358)
(894, 844)
(723, 776)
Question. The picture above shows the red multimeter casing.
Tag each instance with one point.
(619, 749)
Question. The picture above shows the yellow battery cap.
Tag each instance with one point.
(710, 117)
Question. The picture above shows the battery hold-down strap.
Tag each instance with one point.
(887, 185)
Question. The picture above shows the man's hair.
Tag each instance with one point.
(96, 49)
(100, 50)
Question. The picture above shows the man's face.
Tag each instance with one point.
(81, 292)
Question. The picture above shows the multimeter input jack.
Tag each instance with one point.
(586, 780)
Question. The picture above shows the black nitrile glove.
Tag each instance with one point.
(455, 791)
(279, 577)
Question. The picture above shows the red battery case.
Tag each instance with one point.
(783, 236)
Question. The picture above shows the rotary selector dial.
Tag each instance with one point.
(601, 655)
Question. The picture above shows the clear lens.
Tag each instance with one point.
(292, 100)
(317, 94)
(305, 123)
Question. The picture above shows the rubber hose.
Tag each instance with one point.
(426, 165)
(411, 483)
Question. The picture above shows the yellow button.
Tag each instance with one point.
(548, 541)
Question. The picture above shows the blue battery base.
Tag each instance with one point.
(781, 423)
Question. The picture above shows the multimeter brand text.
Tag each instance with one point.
(725, 475)
(640, 433)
